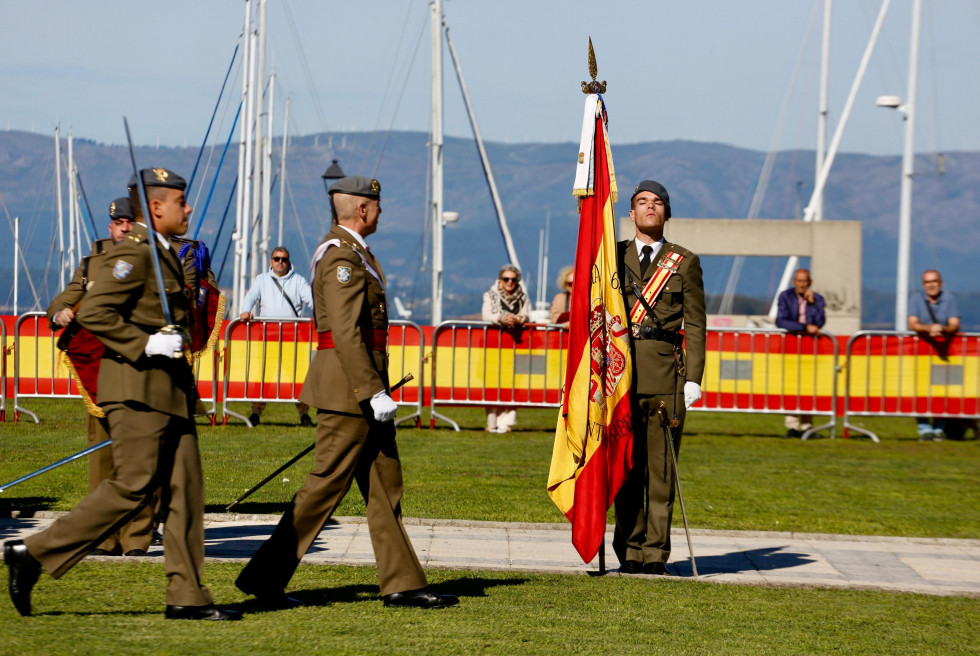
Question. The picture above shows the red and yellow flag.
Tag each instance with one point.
(594, 439)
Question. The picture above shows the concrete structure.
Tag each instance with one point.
(834, 249)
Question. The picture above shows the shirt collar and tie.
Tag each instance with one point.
(647, 253)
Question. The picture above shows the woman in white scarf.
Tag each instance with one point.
(506, 304)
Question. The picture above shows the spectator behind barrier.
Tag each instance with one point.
(280, 293)
(507, 305)
(561, 304)
(935, 316)
(800, 309)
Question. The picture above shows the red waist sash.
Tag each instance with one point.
(376, 340)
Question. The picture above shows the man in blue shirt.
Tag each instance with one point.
(935, 316)
(282, 294)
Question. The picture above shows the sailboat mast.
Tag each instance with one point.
(908, 170)
(61, 214)
(282, 170)
(258, 84)
(72, 206)
(16, 267)
(267, 172)
(436, 145)
(508, 242)
(240, 236)
(822, 109)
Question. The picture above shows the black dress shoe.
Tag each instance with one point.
(631, 567)
(421, 598)
(135, 553)
(23, 571)
(209, 612)
(253, 419)
(305, 421)
(157, 539)
(101, 552)
(660, 569)
(793, 433)
(268, 598)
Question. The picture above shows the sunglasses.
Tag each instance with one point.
(509, 279)
(280, 259)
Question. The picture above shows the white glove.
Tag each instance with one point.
(384, 408)
(169, 345)
(692, 392)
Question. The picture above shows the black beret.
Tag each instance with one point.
(119, 209)
(654, 187)
(357, 185)
(159, 177)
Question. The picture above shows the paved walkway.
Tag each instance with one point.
(935, 566)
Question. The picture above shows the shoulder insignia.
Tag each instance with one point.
(343, 274)
(135, 238)
(121, 270)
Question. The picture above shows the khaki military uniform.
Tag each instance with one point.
(349, 302)
(138, 533)
(643, 530)
(149, 404)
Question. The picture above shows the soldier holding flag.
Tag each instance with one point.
(664, 289)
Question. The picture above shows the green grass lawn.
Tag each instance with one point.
(101, 608)
(736, 471)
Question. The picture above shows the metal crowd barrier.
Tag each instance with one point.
(771, 372)
(3, 370)
(901, 374)
(478, 363)
(39, 367)
(266, 361)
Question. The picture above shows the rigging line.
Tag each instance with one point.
(304, 243)
(936, 124)
(726, 302)
(411, 65)
(207, 165)
(207, 202)
(91, 217)
(317, 105)
(391, 75)
(20, 250)
(221, 227)
(214, 113)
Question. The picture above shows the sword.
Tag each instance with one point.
(668, 424)
(53, 465)
(296, 458)
(169, 328)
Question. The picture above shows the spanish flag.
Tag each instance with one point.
(594, 439)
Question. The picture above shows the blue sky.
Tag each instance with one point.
(706, 70)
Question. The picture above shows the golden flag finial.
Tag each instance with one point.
(593, 86)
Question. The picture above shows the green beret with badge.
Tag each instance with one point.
(357, 185)
(159, 177)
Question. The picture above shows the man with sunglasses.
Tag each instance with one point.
(281, 293)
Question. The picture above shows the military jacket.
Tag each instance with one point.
(349, 301)
(680, 304)
(72, 295)
(122, 309)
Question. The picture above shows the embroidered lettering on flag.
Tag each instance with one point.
(651, 292)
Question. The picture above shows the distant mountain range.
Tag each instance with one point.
(705, 180)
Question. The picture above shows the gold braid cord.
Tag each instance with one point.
(90, 406)
(219, 315)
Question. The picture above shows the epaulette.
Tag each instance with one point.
(138, 239)
(99, 246)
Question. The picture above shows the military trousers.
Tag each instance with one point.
(138, 532)
(151, 450)
(348, 448)
(644, 505)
